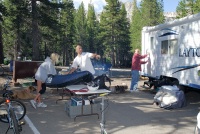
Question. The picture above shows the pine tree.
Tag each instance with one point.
(136, 27)
(81, 27)
(13, 25)
(187, 7)
(190, 6)
(2, 11)
(109, 28)
(92, 27)
(160, 11)
(67, 31)
(197, 6)
(181, 9)
(35, 30)
(123, 56)
(1, 46)
(45, 24)
(152, 12)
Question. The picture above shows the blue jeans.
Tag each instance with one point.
(134, 80)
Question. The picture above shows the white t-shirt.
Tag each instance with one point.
(83, 62)
(44, 69)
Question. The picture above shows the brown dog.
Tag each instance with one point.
(24, 94)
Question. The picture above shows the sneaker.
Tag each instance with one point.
(131, 91)
(33, 103)
(41, 104)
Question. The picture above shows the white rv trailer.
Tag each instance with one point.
(173, 44)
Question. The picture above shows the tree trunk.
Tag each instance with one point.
(113, 58)
(35, 32)
(117, 59)
(64, 52)
(18, 45)
(1, 46)
(15, 51)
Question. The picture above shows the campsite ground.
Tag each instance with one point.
(127, 113)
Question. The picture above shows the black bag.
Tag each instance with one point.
(120, 88)
(162, 82)
(100, 80)
(165, 80)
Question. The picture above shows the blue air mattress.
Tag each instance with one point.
(56, 81)
(194, 86)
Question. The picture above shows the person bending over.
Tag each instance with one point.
(45, 69)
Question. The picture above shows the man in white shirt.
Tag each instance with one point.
(83, 61)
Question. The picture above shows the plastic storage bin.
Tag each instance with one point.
(73, 111)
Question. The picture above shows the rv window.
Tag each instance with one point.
(169, 46)
(152, 42)
(164, 47)
(173, 46)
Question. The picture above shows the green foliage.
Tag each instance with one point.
(45, 23)
(187, 7)
(109, 28)
(123, 56)
(6, 61)
(114, 32)
(191, 6)
(12, 31)
(29, 25)
(136, 27)
(37, 29)
(197, 6)
(2, 11)
(181, 9)
(92, 30)
(150, 13)
(81, 27)
(67, 31)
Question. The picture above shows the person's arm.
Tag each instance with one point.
(71, 71)
(51, 69)
(143, 62)
(73, 67)
(142, 56)
(96, 56)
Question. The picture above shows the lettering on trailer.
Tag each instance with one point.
(189, 52)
